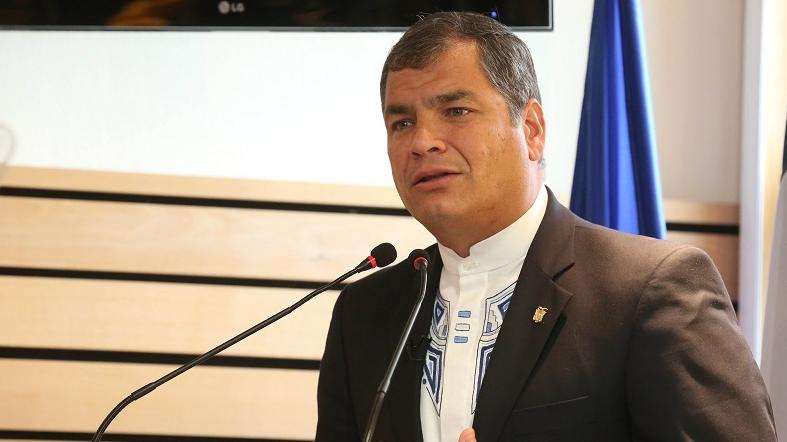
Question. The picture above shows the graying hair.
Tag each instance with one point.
(504, 57)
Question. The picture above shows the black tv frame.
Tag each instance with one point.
(219, 15)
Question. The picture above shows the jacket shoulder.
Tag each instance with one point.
(626, 249)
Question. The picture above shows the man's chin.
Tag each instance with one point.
(437, 215)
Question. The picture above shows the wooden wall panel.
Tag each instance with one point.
(723, 249)
(685, 211)
(201, 187)
(158, 317)
(222, 241)
(309, 244)
(675, 210)
(217, 401)
(152, 238)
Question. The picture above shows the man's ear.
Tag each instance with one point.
(535, 128)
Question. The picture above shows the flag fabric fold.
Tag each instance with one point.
(774, 342)
(616, 180)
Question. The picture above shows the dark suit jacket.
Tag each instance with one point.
(640, 343)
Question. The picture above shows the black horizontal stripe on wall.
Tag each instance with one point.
(126, 437)
(162, 277)
(198, 201)
(56, 354)
(726, 229)
(723, 229)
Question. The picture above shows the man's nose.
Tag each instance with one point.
(426, 140)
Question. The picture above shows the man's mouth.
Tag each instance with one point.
(429, 177)
(434, 177)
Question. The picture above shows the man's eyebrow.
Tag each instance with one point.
(450, 97)
(398, 109)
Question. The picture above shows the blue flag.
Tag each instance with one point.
(616, 179)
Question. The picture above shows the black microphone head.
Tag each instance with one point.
(418, 257)
(384, 254)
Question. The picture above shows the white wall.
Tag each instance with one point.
(290, 106)
(695, 54)
(305, 106)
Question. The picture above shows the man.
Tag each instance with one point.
(537, 325)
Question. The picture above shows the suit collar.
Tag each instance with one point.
(553, 247)
(523, 336)
(521, 340)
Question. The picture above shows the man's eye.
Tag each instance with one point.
(401, 124)
(457, 112)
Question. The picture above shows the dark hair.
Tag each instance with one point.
(504, 57)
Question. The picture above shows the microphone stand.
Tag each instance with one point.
(421, 264)
(365, 265)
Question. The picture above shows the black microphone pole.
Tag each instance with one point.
(381, 256)
(420, 261)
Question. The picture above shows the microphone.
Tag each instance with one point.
(380, 256)
(420, 262)
(419, 258)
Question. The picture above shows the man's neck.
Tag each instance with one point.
(461, 235)
(462, 239)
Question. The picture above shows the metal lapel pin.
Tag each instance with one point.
(538, 315)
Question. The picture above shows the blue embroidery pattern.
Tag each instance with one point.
(435, 352)
(496, 308)
(433, 374)
(485, 354)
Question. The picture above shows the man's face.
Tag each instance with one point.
(457, 159)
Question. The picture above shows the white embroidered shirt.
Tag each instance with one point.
(473, 298)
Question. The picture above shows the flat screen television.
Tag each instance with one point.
(283, 15)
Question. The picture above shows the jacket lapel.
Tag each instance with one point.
(524, 334)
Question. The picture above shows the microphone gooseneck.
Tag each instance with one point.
(420, 262)
(381, 256)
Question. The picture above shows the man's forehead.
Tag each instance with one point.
(430, 88)
(451, 77)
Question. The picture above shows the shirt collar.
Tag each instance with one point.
(504, 247)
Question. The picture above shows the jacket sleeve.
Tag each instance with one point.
(336, 420)
(690, 373)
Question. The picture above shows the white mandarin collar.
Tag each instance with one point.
(504, 247)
